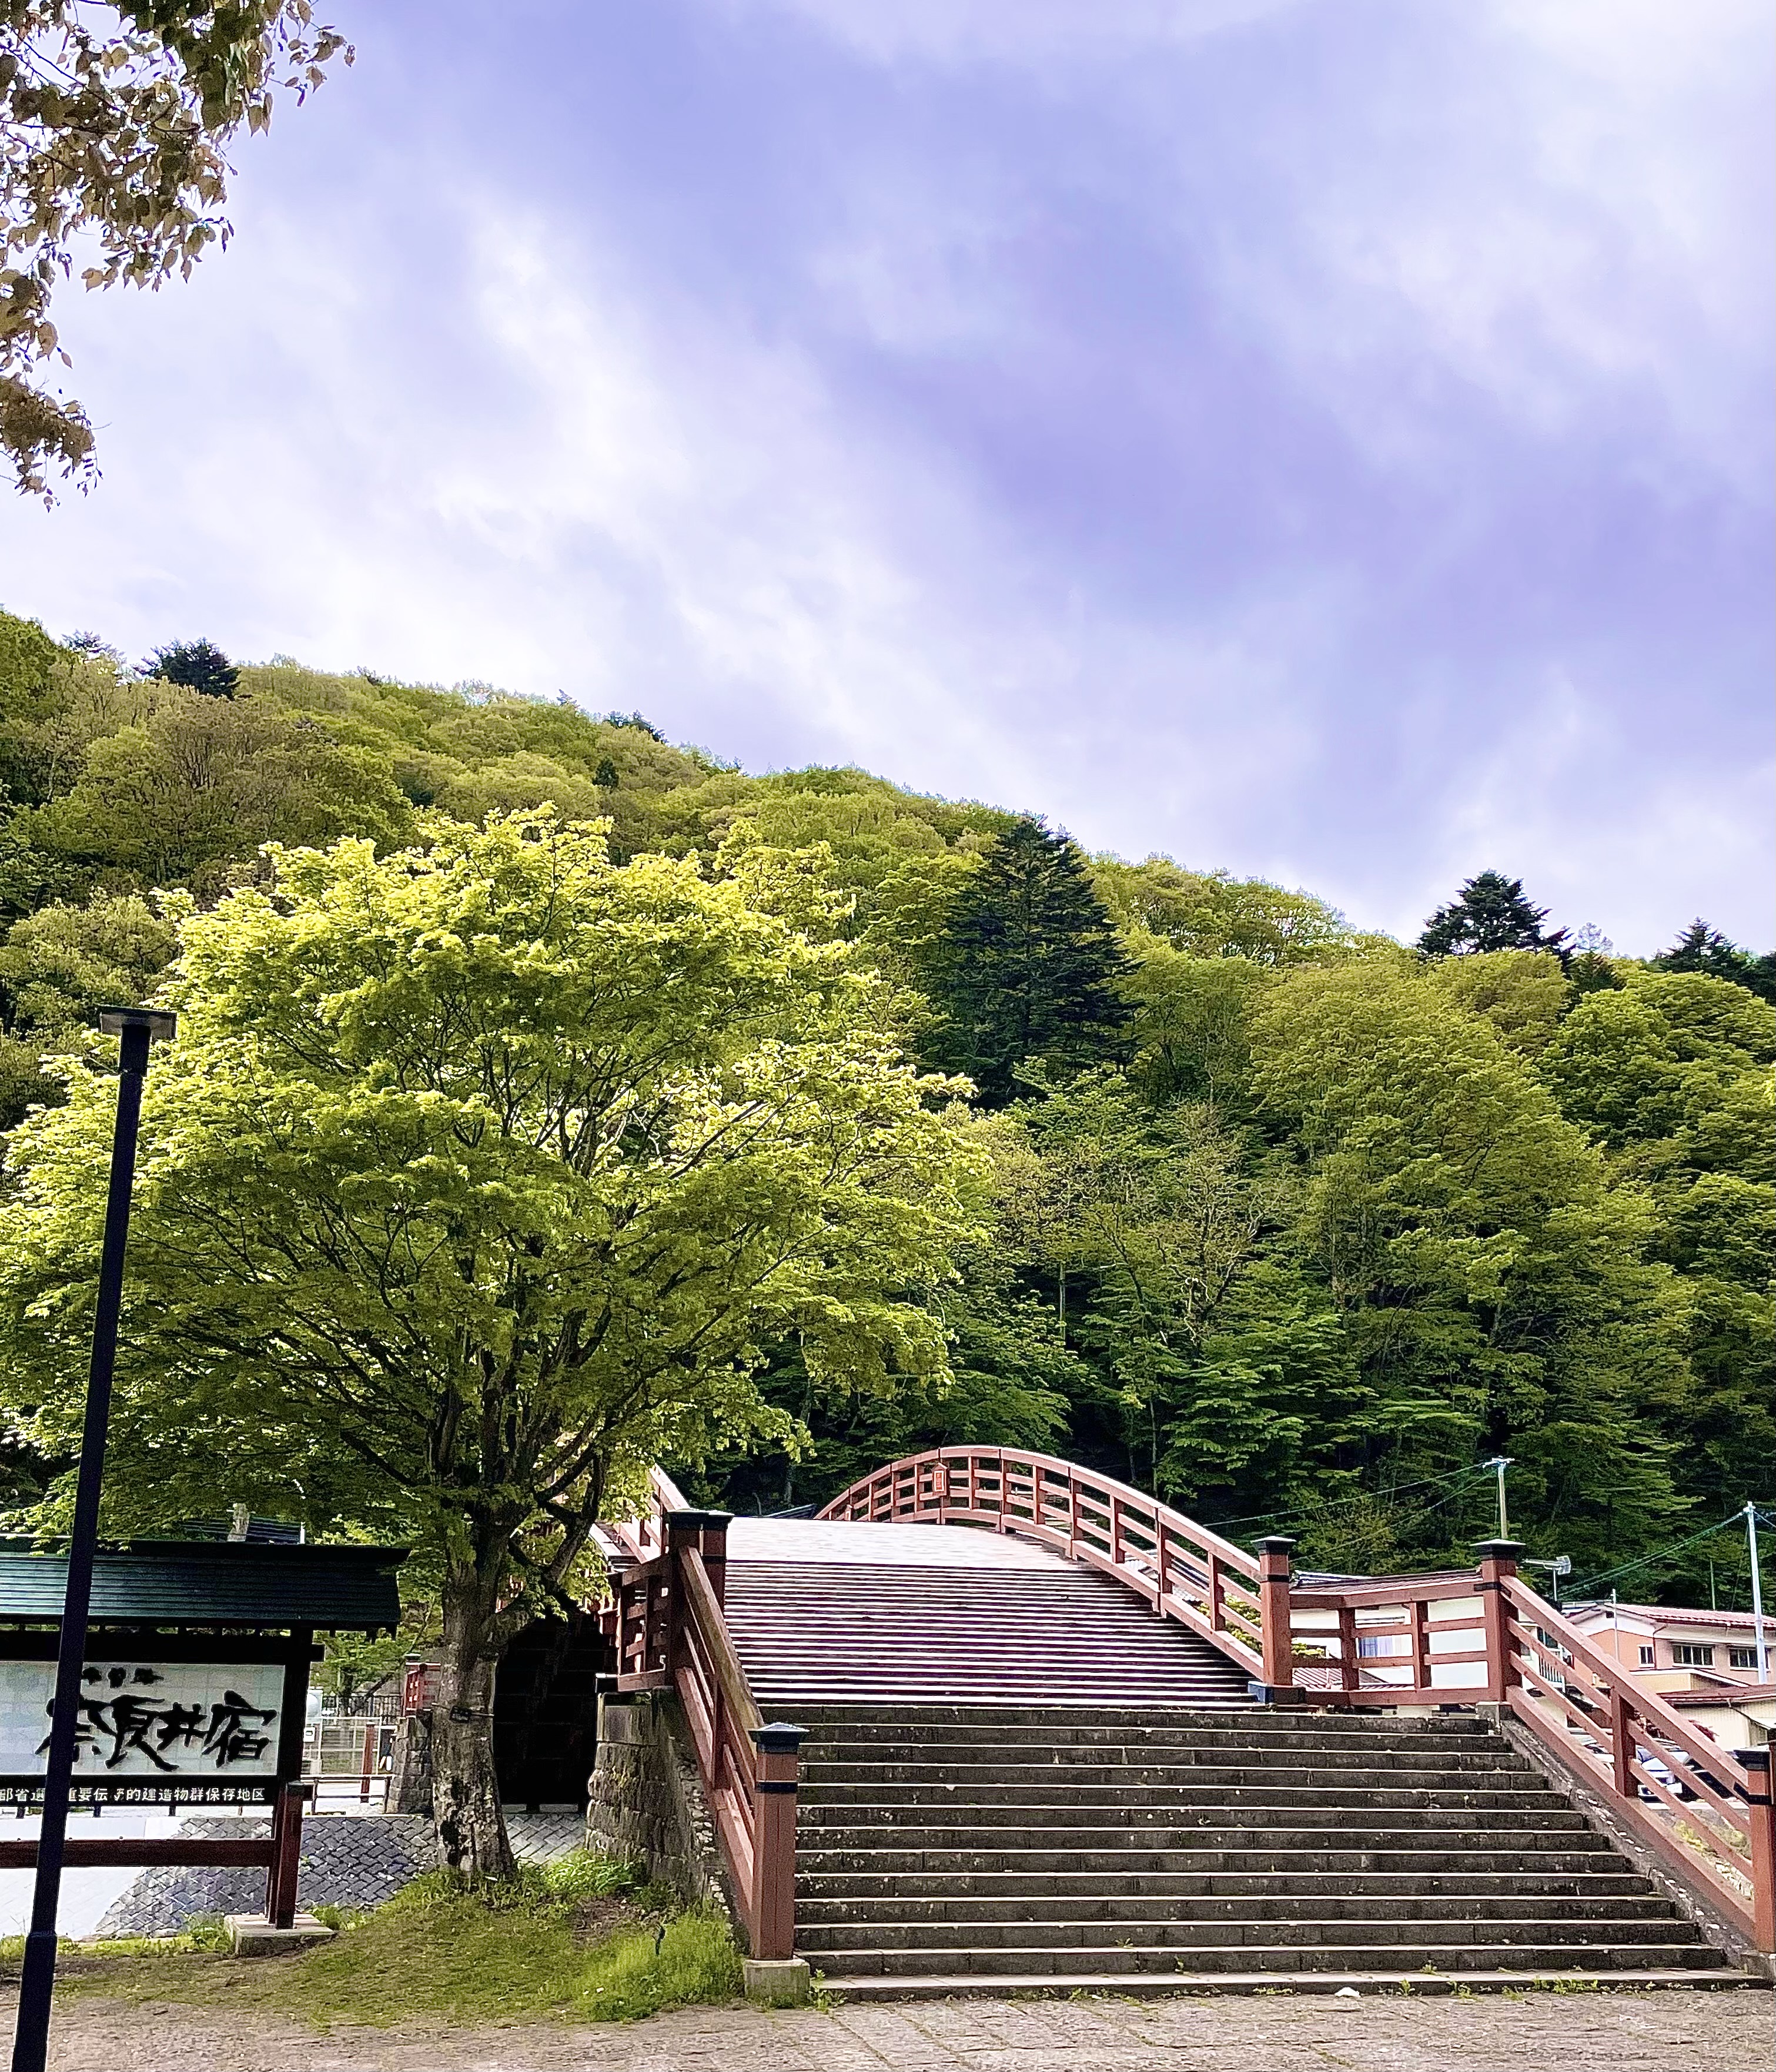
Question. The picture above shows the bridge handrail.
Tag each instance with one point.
(1237, 1601)
(667, 1621)
(1607, 1727)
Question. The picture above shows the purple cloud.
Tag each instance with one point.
(1330, 439)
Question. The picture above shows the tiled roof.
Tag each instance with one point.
(1673, 1615)
(211, 1583)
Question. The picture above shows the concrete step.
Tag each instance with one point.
(1113, 1960)
(918, 1822)
(968, 1915)
(1311, 1931)
(1283, 1724)
(1023, 1894)
(949, 1985)
(1035, 1787)
(1128, 1858)
(1144, 1762)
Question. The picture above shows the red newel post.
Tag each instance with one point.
(705, 1533)
(1497, 1565)
(1762, 1812)
(778, 1773)
(1275, 1621)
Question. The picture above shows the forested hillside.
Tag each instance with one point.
(1297, 1225)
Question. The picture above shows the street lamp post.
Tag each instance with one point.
(136, 1026)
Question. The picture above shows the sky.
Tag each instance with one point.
(1326, 439)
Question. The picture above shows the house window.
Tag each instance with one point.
(1646, 1656)
(1692, 1654)
(1371, 1645)
(1742, 1658)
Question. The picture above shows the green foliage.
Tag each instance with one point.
(1490, 913)
(497, 1952)
(1290, 1221)
(481, 1176)
(114, 131)
(1701, 948)
(199, 664)
(1211, 914)
(1027, 969)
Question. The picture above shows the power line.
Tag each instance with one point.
(1345, 1503)
(1658, 1554)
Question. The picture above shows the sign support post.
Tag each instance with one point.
(136, 1026)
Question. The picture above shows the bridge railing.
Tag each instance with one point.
(667, 1620)
(1462, 1639)
(1237, 1600)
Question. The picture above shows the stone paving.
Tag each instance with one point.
(1537, 2032)
(348, 1860)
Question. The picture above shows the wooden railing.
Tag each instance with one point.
(665, 1618)
(1237, 1601)
(1484, 1636)
(1622, 1739)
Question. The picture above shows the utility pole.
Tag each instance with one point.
(1498, 1465)
(136, 1026)
(1756, 1595)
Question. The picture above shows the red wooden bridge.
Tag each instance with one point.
(993, 1721)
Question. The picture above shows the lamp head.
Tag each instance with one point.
(161, 1028)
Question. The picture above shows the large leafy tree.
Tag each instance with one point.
(114, 124)
(1029, 969)
(481, 1175)
(1490, 912)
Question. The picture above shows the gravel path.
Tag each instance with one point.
(1661, 2032)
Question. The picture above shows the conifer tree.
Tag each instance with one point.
(1490, 913)
(1701, 948)
(1030, 967)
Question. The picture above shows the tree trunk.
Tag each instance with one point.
(466, 1808)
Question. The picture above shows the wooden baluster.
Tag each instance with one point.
(1116, 1532)
(1761, 1819)
(777, 1771)
(1621, 1741)
(1418, 1612)
(1350, 1653)
(1499, 1565)
(1276, 1618)
(1160, 1566)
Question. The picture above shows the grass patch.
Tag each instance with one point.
(509, 1952)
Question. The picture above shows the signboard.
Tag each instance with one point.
(149, 1730)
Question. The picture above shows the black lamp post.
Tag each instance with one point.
(137, 1027)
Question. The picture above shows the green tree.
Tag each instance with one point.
(200, 664)
(1212, 913)
(114, 124)
(1029, 969)
(1497, 1290)
(1488, 913)
(482, 1175)
(58, 968)
(1703, 949)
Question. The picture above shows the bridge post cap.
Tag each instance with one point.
(777, 1738)
(1274, 1542)
(1499, 1550)
(698, 1521)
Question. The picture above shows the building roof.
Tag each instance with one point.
(165, 1582)
(1668, 1615)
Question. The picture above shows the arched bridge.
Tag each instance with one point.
(994, 1721)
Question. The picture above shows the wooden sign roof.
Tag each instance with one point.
(184, 1582)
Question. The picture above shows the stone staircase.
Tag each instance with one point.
(945, 1847)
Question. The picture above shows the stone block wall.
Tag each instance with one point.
(645, 1800)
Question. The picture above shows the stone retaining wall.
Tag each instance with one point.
(646, 1800)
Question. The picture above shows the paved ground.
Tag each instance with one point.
(1663, 2032)
(347, 1860)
